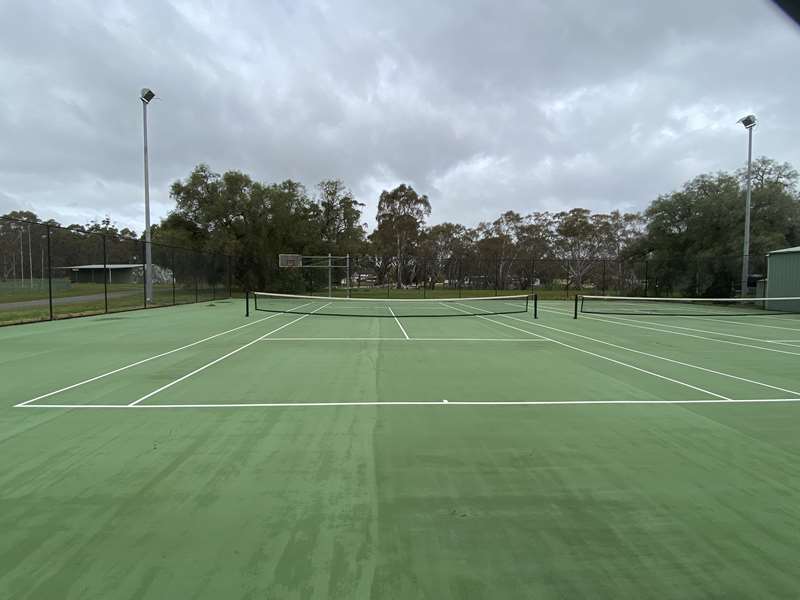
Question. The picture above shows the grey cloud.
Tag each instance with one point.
(484, 106)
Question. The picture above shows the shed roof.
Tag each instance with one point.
(787, 250)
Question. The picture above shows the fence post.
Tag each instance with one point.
(460, 274)
(144, 271)
(330, 268)
(49, 275)
(533, 270)
(196, 289)
(173, 277)
(424, 278)
(646, 281)
(349, 284)
(604, 277)
(106, 272)
(230, 278)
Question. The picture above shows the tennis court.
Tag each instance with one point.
(355, 450)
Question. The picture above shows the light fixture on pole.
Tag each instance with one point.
(146, 96)
(749, 122)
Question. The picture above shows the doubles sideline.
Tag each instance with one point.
(144, 360)
(224, 356)
(658, 327)
(595, 354)
(648, 354)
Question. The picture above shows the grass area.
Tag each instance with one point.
(121, 297)
(280, 458)
(21, 291)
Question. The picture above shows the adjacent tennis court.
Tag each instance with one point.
(321, 447)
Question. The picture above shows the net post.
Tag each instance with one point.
(575, 314)
(247, 303)
(536, 306)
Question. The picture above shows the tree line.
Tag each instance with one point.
(702, 221)
(233, 214)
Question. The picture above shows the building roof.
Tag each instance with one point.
(787, 250)
(100, 267)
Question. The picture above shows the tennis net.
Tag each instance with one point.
(390, 307)
(687, 307)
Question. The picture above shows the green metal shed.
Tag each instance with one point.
(783, 278)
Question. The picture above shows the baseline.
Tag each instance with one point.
(442, 403)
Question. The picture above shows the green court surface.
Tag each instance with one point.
(193, 452)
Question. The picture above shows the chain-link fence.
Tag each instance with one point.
(51, 272)
(416, 276)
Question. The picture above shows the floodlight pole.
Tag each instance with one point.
(749, 122)
(146, 96)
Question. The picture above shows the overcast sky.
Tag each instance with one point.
(484, 106)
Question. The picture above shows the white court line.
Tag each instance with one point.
(223, 357)
(399, 339)
(607, 358)
(396, 320)
(732, 335)
(141, 362)
(664, 358)
(691, 335)
(420, 403)
(747, 323)
(617, 320)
